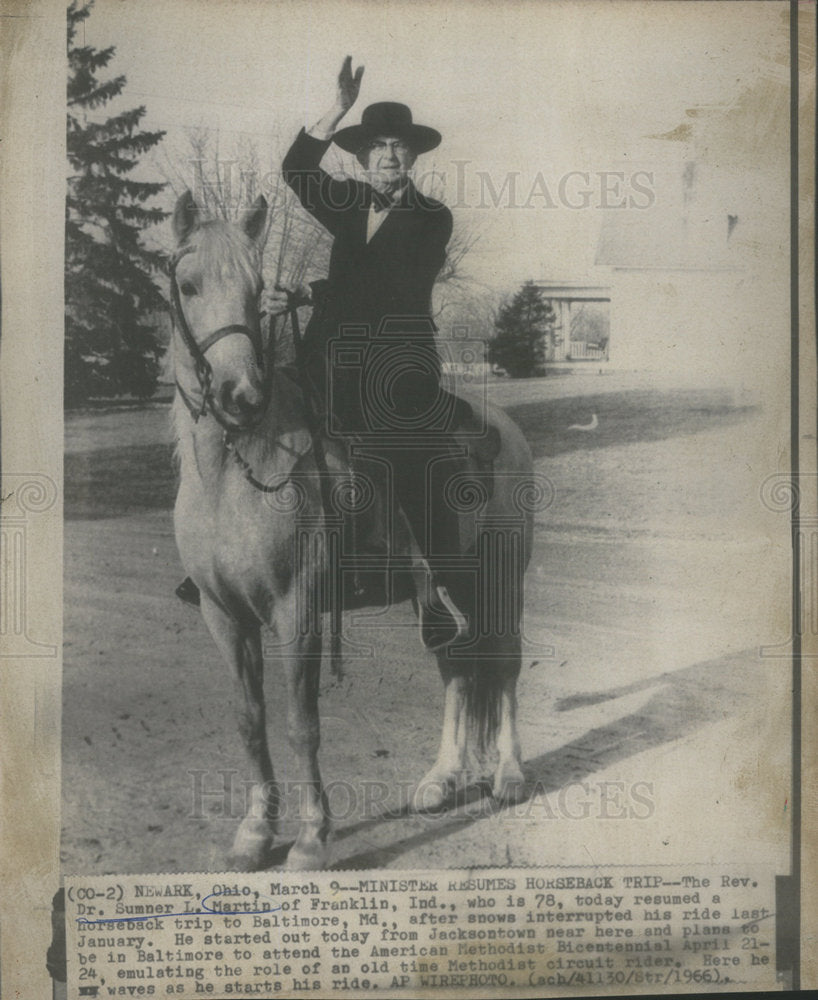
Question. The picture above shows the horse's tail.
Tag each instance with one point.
(484, 689)
(336, 659)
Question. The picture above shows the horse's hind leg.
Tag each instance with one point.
(509, 782)
(241, 647)
(437, 785)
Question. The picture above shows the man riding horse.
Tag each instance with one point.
(389, 247)
(251, 462)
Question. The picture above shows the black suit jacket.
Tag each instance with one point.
(388, 279)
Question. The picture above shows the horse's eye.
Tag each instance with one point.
(187, 288)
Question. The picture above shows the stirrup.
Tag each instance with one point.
(441, 622)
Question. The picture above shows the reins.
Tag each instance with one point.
(312, 421)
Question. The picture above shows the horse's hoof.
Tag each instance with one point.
(433, 793)
(248, 862)
(307, 859)
(510, 785)
(251, 847)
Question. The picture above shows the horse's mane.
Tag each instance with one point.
(224, 246)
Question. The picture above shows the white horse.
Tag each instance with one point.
(249, 490)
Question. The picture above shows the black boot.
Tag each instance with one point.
(441, 618)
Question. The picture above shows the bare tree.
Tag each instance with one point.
(226, 179)
(468, 311)
(465, 237)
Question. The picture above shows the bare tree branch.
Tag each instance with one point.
(296, 247)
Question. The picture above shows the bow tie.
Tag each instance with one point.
(381, 202)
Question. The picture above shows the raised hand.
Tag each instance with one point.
(349, 85)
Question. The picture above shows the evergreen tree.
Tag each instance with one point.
(111, 343)
(522, 328)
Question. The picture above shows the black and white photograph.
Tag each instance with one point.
(409, 467)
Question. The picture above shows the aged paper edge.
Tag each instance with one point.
(31, 236)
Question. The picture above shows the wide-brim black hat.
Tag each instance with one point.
(390, 119)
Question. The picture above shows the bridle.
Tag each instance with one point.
(197, 349)
(204, 375)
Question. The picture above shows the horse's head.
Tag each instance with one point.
(215, 286)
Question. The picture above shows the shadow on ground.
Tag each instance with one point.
(115, 482)
(683, 702)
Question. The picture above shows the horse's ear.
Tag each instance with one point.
(185, 217)
(255, 218)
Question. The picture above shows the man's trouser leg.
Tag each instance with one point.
(421, 459)
(420, 475)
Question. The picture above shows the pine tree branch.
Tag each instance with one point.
(111, 297)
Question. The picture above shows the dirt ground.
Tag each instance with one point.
(652, 730)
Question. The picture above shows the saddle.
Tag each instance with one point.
(375, 558)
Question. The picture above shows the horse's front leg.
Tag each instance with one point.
(437, 786)
(302, 663)
(240, 644)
